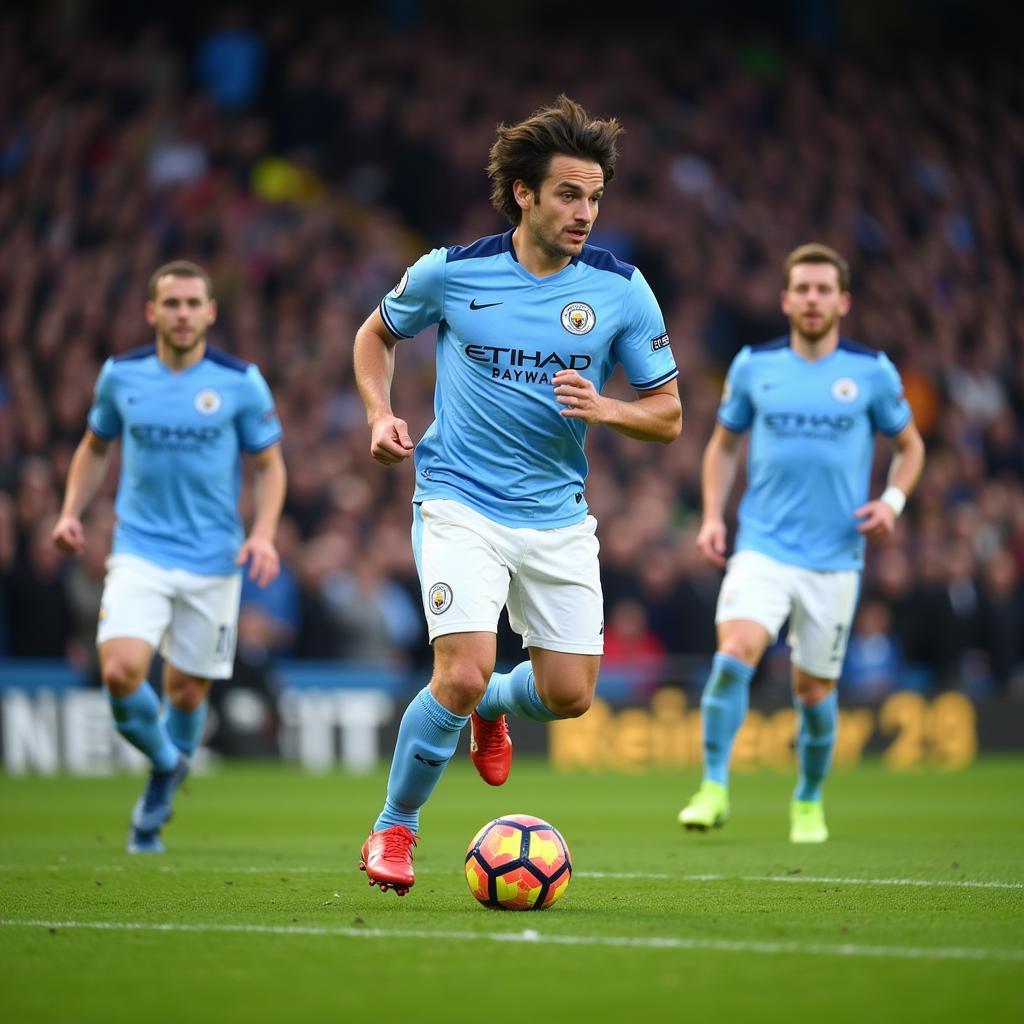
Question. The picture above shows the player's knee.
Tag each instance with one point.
(185, 692)
(121, 677)
(811, 692)
(570, 704)
(462, 686)
(188, 698)
(741, 648)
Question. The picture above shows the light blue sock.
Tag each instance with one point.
(514, 693)
(137, 719)
(186, 727)
(723, 707)
(427, 738)
(815, 739)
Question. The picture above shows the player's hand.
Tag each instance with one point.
(264, 561)
(878, 520)
(579, 396)
(390, 442)
(68, 535)
(711, 541)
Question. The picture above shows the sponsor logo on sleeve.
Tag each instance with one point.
(661, 341)
(400, 287)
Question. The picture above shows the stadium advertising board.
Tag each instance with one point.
(51, 723)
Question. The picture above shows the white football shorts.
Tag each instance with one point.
(470, 567)
(192, 619)
(819, 606)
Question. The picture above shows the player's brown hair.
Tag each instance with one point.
(523, 152)
(815, 252)
(179, 268)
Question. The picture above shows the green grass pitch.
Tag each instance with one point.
(914, 911)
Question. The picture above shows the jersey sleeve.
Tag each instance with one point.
(736, 411)
(890, 410)
(258, 423)
(104, 420)
(417, 301)
(642, 346)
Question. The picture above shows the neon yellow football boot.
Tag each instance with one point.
(807, 822)
(708, 808)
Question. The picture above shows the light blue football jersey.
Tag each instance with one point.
(181, 438)
(498, 442)
(812, 436)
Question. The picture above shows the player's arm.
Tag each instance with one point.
(655, 415)
(878, 517)
(718, 473)
(88, 468)
(269, 483)
(374, 363)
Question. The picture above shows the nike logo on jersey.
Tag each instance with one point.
(483, 305)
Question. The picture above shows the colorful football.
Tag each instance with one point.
(518, 862)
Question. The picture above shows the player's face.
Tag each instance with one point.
(813, 301)
(181, 312)
(560, 215)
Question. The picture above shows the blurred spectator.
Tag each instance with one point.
(39, 614)
(376, 618)
(999, 630)
(632, 650)
(874, 662)
(229, 62)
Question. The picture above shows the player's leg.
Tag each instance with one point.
(555, 604)
(565, 683)
(187, 704)
(124, 665)
(135, 611)
(427, 739)
(199, 646)
(819, 631)
(464, 583)
(723, 706)
(817, 708)
(752, 605)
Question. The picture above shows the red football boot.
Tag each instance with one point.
(490, 747)
(386, 857)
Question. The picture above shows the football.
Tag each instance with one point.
(518, 862)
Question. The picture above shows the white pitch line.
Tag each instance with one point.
(920, 883)
(532, 936)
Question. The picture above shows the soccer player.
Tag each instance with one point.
(813, 402)
(184, 412)
(531, 324)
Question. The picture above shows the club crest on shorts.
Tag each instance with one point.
(578, 318)
(440, 598)
(207, 401)
(844, 389)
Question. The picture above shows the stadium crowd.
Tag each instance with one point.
(306, 169)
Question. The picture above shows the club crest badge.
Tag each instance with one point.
(578, 318)
(207, 402)
(844, 389)
(440, 598)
